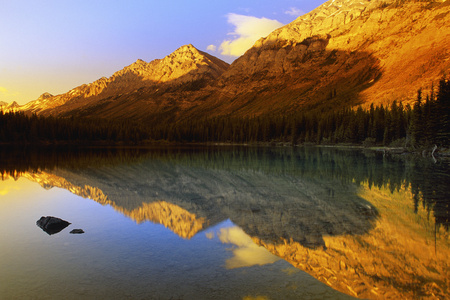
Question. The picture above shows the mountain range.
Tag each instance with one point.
(343, 53)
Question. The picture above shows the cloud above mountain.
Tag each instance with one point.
(247, 30)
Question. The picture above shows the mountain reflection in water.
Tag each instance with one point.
(367, 225)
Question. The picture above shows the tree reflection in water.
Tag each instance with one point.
(355, 220)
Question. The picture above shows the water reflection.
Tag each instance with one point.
(245, 253)
(367, 225)
(119, 259)
(204, 188)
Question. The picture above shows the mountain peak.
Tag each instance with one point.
(189, 47)
(185, 60)
(186, 63)
(45, 96)
(187, 53)
(189, 60)
(12, 106)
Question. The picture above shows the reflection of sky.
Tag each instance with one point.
(17, 187)
(12, 190)
(245, 253)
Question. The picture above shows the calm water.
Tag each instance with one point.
(224, 223)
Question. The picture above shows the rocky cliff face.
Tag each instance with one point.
(360, 52)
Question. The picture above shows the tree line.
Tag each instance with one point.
(19, 128)
(425, 123)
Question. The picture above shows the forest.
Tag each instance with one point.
(424, 124)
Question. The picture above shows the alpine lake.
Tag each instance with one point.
(223, 223)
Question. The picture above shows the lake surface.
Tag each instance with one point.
(224, 223)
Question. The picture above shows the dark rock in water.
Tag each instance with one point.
(52, 225)
(77, 231)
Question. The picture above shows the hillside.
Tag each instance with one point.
(342, 53)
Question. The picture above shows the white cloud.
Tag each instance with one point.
(247, 31)
(211, 48)
(294, 11)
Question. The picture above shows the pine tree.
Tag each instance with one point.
(441, 113)
(416, 122)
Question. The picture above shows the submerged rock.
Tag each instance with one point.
(77, 231)
(52, 225)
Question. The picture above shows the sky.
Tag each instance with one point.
(56, 45)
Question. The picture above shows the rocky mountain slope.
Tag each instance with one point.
(343, 53)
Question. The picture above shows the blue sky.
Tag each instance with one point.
(55, 45)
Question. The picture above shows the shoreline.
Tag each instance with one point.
(430, 151)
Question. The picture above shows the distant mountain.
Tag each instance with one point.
(12, 107)
(136, 90)
(39, 104)
(343, 53)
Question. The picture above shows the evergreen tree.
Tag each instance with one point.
(441, 113)
(416, 121)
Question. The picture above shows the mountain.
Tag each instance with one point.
(13, 106)
(138, 89)
(39, 104)
(344, 53)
